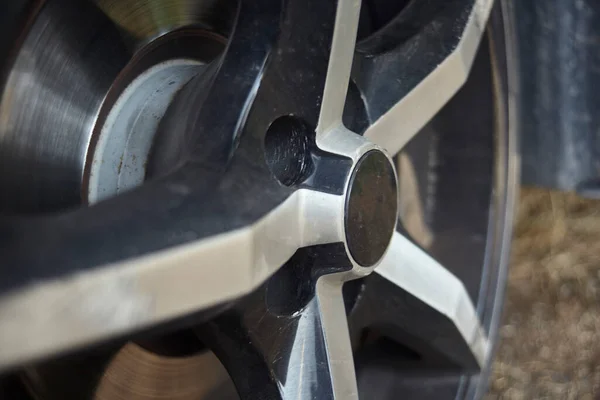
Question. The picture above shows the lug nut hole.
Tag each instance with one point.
(287, 149)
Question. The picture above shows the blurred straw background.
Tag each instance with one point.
(550, 338)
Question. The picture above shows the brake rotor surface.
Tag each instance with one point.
(138, 374)
(87, 91)
(87, 73)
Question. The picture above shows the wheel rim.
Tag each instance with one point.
(253, 176)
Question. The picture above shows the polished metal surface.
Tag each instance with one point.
(121, 297)
(507, 179)
(452, 167)
(340, 65)
(294, 332)
(411, 268)
(338, 347)
(101, 303)
(397, 126)
(52, 97)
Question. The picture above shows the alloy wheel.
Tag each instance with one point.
(330, 216)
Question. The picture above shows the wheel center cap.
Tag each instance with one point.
(371, 208)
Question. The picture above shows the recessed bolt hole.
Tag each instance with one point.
(287, 149)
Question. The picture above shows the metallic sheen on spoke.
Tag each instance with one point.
(101, 303)
(337, 340)
(340, 65)
(404, 120)
(410, 268)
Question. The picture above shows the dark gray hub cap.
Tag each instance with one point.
(371, 208)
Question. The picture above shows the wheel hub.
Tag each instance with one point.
(118, 162)
(371, 208)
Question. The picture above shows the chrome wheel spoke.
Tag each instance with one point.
(340, 64)
(405, 105)
(418, 302)
(334, 326)
(289, 340)
(109, 272)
